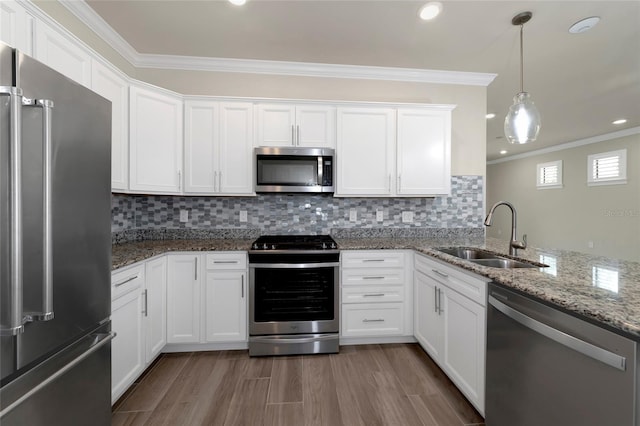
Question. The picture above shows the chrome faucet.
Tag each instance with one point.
(514, 244)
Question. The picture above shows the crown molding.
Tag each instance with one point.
(191, 63)
(569, 145)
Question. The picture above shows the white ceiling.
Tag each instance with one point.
(580, 83)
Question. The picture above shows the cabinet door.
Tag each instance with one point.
(110, 85)
(235, 172)
(155, 321)
(62, 54)
(155, 141)
(16, 26)
(366, 137)
(315, 126)
(423, 152)
(428, 324)
(275, 125)
(200, 142)
(464, 345)
(226, 306)
(127, 357)
(183, 298)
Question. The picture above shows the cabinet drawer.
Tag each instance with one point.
(372, 259)
(372, 319)
(125, 280)
(369, 294)
(471, 286)
(226, 260)
(393, 276)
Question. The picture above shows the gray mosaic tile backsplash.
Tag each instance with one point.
(300, 213)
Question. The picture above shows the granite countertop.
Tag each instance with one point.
(130, 253)
(605, 291)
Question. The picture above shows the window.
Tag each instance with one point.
(607, 168)
(550, 175)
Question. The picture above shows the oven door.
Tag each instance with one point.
(293, 298)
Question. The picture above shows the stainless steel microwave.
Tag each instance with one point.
(294, 169)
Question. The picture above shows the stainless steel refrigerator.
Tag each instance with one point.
(55, 247)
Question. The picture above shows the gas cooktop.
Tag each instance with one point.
(294, 242)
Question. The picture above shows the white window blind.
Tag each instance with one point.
(549, 175)
(607, 168)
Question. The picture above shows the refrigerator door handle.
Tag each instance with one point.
(46, 312)
(15, 319)
(100, 339)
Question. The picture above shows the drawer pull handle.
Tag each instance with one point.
(126, 281)
(373, 260)
(373, 278)
(373, 320)
(373, 295)
(442, 274)
(225, 261)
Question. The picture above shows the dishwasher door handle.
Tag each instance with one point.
(578, 345)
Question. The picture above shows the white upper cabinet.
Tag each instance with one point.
(112, 86)
(16, 26)
(394, 152)
(155, 141)
(365, 152)
(62, 54)
(423, 155)
(295, 125)
(218, 144)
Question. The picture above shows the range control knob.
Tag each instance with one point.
(265, 246)
(255, 246)
(324, 246)
(273, 246)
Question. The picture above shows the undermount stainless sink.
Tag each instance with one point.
(487, 258)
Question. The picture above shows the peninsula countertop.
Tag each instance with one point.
(603, 290)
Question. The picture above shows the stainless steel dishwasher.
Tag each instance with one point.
(545, 367)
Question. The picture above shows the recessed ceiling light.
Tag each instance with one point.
(621, 121)
(430, 10)
(490, 116)
(503, 152)
(238, 2)
(584, 25)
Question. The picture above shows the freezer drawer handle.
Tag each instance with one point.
(45, 312)
(101, 339)
(15, 318)
(578, 345)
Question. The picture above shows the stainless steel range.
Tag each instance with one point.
(293, 295)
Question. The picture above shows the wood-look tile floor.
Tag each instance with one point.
(366, 385)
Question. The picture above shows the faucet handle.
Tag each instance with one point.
(520, 244)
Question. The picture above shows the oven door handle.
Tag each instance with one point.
(293, 339)
(293, 265)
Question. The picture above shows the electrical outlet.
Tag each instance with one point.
(353, 215)
(243, 215)
(407, 217)
(184, 216)
(590, 244)
(380, 215)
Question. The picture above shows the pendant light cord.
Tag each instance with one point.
(521, 59)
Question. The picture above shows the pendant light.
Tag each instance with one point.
(522, 123)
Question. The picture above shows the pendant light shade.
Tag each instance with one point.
(522, 123)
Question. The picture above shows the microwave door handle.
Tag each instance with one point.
(320, 171)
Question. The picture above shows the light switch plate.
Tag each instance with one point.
(184, 216)
(353, 215)
(407, 217)
(380, 215)
(243, 215)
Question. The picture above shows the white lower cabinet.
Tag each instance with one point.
(183, 298)
(155, 307)
(450, 323)
(127, 350)
(374, 294)
(226, 297)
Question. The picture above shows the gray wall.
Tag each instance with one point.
(571, 217)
